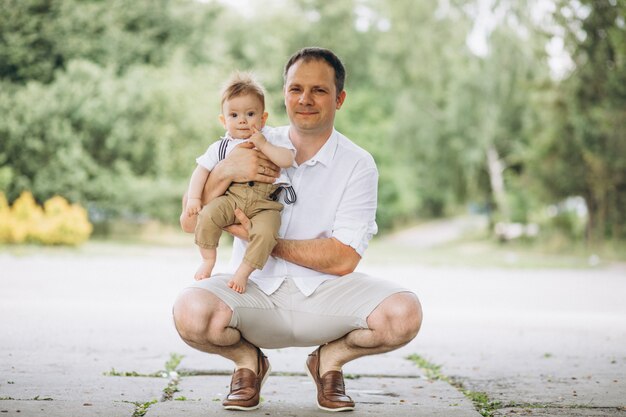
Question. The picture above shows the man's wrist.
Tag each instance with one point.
(276, 251)
(220, 172)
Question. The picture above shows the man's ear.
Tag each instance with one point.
(222, 120)
(340, 99)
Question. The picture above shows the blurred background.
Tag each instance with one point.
(492, 122)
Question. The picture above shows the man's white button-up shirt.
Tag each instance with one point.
(336, 194)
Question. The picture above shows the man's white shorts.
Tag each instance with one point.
(289, 318)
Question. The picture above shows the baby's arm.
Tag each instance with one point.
(196, 186)
(282, 157)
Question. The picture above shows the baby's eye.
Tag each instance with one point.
(233, 115)
(251, 114)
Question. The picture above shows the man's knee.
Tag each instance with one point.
(198, 313)
(401, 315)
(410, 311)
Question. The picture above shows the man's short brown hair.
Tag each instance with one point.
(314, 53)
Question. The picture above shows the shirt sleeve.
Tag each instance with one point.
(276, 138)
(355, 222)
(210, 158)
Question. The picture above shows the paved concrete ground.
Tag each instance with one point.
(540, 343)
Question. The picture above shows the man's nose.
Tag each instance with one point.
(305, 98)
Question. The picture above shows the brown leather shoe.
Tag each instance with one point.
(331, 392)
(245, 386)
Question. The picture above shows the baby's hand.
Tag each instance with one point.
(257, 138)
(193, 206)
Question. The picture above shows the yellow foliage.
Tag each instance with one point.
(5, 215)
(58, 223)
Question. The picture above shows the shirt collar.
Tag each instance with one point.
(327, 152)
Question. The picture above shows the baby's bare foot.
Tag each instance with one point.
(240, 288)
(204, 271)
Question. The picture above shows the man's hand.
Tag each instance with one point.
(242, 229)
(245, 163)
(326, 255)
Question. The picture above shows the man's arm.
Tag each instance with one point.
(326, 255)
(242, 164)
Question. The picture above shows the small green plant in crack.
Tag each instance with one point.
(432, 371)
(173, 362)
(483, 404)
(170, 390)
(481, 400)
(114, 372)
(170, 371)
(142, 408)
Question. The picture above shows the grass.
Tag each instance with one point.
(168, 392)
(482, 403)
(142, 408)
(484, 252)
(475, 249)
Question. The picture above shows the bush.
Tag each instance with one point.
(57, 223)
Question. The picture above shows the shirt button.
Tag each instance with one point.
(251, 183)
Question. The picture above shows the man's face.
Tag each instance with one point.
(311, 96)
(241, 113)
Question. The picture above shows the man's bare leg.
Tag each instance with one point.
(240, 279)
(202, 319)
(393, 324)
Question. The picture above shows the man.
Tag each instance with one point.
(308, 293)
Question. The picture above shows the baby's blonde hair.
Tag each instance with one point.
(242, 83)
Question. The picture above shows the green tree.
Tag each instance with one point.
(586, 144)
(105, 141)
(39, 37)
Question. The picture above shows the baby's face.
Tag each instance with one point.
(241, 113)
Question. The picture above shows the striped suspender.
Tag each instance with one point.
(290, 194)
(222, 150)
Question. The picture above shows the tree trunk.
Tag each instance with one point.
(496, 169)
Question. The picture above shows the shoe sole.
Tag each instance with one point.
(321, 407)
(254, 407)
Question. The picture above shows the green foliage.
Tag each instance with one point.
(39, 37)
(584, 144)
(108, 103)
(117, 144)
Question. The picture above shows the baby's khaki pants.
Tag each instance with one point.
(254, 200)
